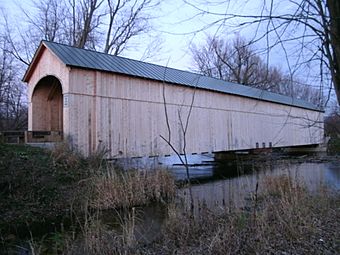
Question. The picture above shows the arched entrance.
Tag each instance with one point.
(47, 105)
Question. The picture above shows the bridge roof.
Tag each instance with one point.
(89, 59)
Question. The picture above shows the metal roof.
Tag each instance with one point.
(82, 58)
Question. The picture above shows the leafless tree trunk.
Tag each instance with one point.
(313, 25)
(127, 19)
(184, 121)
(331, 27)
(13, 111)
(184, 124)
(238, 62)
(87, 21)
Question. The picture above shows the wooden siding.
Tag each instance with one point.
(127, 116)
(47, 64)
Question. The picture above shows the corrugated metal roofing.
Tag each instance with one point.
(82, 58)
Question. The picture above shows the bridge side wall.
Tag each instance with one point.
(127, 116)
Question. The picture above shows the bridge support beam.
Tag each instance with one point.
(318, 148)
(244, 154)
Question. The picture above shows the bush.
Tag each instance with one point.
(334, 145)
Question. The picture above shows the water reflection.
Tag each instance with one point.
(232, 182)
(217, 182)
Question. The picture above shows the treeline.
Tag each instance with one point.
(13, 106)
(109, 26)
(237, 61)
(114, 27)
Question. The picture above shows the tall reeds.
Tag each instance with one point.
(284, 218)
(125, 189)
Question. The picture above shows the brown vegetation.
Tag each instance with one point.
(282, 216)
(332, 130)
(285, 219)
(117, 189)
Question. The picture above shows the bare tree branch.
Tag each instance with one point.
(315, 24)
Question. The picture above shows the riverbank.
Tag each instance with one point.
(43, 191)
(285, 218)
(67, 197)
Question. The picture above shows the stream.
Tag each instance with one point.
(215, 183)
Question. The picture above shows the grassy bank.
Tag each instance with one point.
(285, 218)
(40, 187)
(36, 186)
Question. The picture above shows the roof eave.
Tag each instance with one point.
(313, 108)
(34, 62)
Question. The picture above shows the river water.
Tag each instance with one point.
(217, 183)
(230, 182)
(233, 182)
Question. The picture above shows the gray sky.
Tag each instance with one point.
(174, 48)
(174, 25)
(178, 25)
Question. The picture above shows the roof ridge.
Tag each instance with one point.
(138, 68)
(132, 59)
(166, 67)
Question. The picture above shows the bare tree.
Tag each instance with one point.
(312, 25)
(13, 110)
(183, 113)
(127, 19)
(20, 51)
(235, 62)
(66, 21)
(45, 22)
(332, 123)
(239, 62)
(296, 89)
(107, 25)
(184, 121)
(85, 20)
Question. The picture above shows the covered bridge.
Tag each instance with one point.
(125, 105)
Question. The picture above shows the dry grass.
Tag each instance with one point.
(63, 153)
(106, 186)
(97, 238)
(117, 189)
(284, 219)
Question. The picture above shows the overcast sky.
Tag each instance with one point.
(174, 24)
(174, 50)
(177, 25)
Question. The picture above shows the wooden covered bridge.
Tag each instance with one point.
(124, 105)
